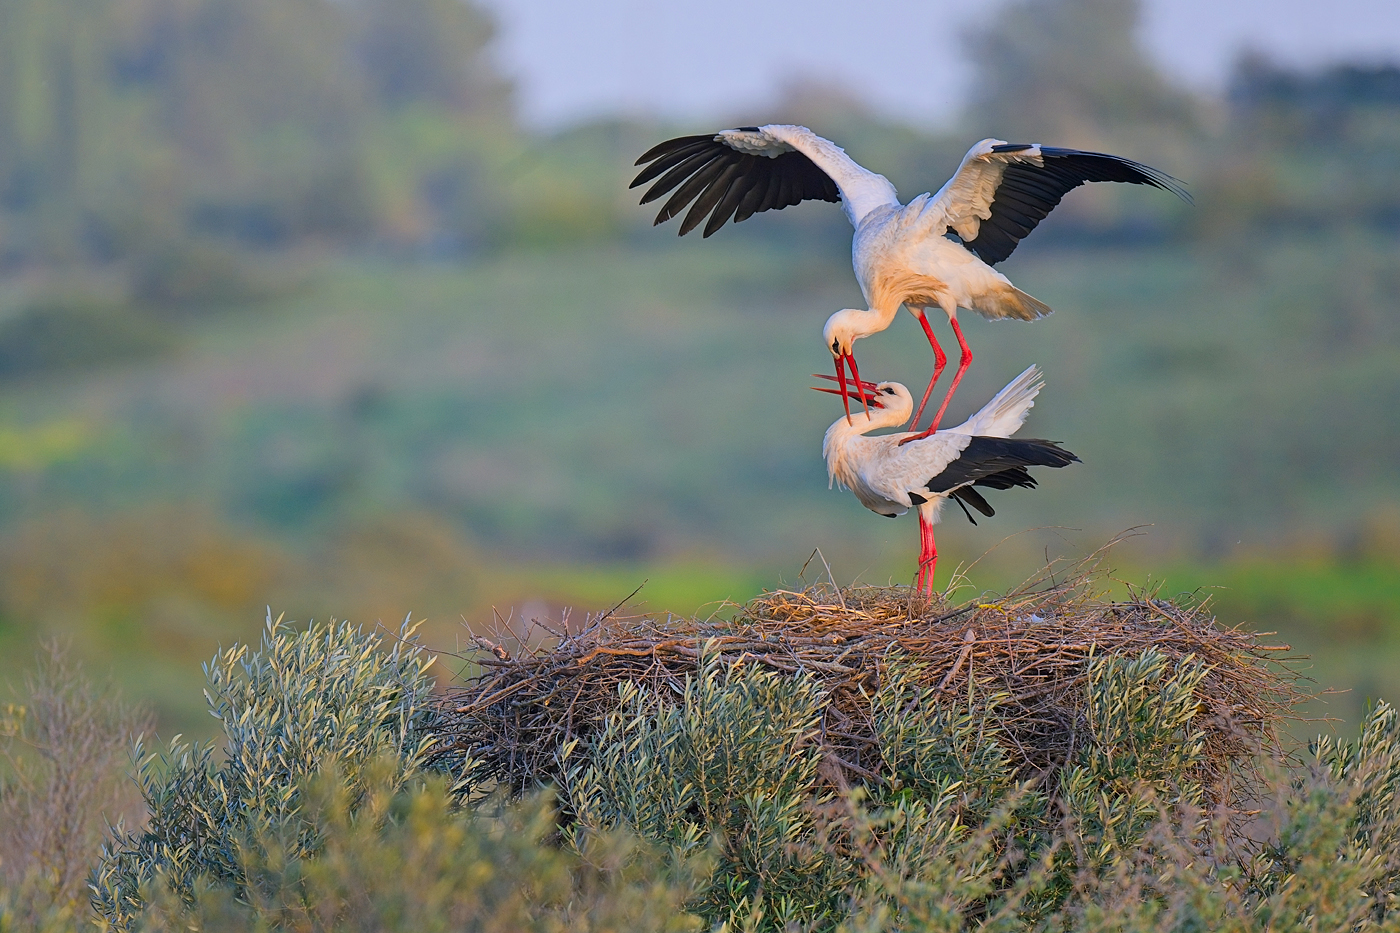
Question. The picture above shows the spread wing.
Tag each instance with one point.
(1001, 191)
(735, 173)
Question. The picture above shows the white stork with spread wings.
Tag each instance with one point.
(937, 251)
(889, 478)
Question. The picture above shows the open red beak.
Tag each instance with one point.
(866, 394)
(842, 359)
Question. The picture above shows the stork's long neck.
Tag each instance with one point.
(856, 323)
(838, 444)
(878, 317)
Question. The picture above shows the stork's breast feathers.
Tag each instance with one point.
(899, 285)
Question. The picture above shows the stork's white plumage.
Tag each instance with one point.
(893, 473)
(937, 251)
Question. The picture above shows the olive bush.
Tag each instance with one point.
(328, 697)
(1118, 837)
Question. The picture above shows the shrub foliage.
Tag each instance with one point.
(327, 697)
(396, 860)
(1118, 840)
(735, 762)
(714, 803)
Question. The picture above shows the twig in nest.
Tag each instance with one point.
(625, 600)
(969, 640)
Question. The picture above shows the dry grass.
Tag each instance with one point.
(64, 760)
(1033, 644)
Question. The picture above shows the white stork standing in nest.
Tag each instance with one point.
(937, 251)
(890, 477)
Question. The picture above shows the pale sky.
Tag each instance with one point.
(577, 59)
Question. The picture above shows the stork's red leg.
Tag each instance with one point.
(928, 555)
(963, 363)
(940, 360)
(923, 553)
(932, 557)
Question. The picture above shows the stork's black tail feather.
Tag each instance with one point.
(996, 463)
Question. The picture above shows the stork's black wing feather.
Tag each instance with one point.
(966, 495)
(999, 463)
(724, 182)
(1029, 192)
(667, 154)
(709, 198)
(1016, 476)
(676, 174)
(963, 505)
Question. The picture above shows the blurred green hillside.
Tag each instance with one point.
(293, 313)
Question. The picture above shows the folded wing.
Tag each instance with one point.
(999, 462)
(967, 495)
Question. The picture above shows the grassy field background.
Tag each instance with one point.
(337, 335)
(553, 428)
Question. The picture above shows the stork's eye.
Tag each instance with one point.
(888, 391)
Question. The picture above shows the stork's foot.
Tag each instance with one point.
(925, 579)
(918, 437)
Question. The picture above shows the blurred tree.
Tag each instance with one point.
(265, 107)
(131, 125)
(432, 51)
(1072, 73)
(1316, 149)
(1309, 105)
(222, 68)
(426, 66)
(50, 94)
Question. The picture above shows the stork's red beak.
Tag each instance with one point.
(842, 359)
(867, 393)
(869, 387)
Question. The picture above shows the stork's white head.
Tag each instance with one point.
(896, 403)
(891, 404)
(843, 329)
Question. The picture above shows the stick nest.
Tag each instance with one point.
(1036, 643)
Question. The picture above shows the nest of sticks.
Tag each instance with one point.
(535, 693)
